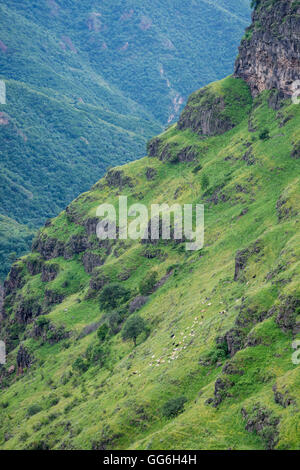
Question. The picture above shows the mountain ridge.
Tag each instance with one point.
(68, 80)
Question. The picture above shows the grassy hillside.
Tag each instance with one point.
(220, 322)
(80, 101)
(14, 241)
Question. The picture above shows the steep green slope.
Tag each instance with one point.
(79, 102)
(220, 321)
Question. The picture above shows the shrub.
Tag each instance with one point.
(80, 365)
(174, 407)
(204, 182)
(147, 284)
(33, 410)
(102, 332)
(196, 169)
(96, 355)
(264, 134)
(133, 327)
(52, 401)
(113, 295)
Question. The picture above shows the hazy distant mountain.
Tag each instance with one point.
(88, 83)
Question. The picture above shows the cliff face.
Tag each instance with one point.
(269, 55)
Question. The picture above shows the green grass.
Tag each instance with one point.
(78, 104)
(121, 404)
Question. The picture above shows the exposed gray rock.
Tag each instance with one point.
(222, 386)
(91, 261)
(117, 179)
(137, 303)
(53, 298)
(232, 369)
(151, 173)
(288, 312)
(204, 115)
(15, 279)
(275, 100)
(76, 245)
(283, 398)
(90, 225)
(24, 359)
(27, 309)
(48, 247)
(234, 340)
(34, 265)
(98, 281)
(269, 55)
(249, 158)
(153, 147)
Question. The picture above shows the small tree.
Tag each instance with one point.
(80, 365)
(102, 332)
(204, 182)
(264, 134)
(113, 295)
(133, 327)
(174, 407)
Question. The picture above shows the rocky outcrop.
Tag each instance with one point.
(242, 258)
(53, 298)
(150, 173)
(91, 261)
(287, 314)
(296, 151)
(216, 109)
(137, 303)
(34, 265)
(117, 179)
(153, 147)
(233, 341)
(222, 387)
(76, 245)
(48, 332)
(98, 281)
(90, 225)
(248, 157)
(24, 359)
(204, 115)
(27, 309)
(15, 280)
(232, 369)
(49, 272)
(283, 398)
(269, 55)
(169, 152)
(48, 247)
(264, 423)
